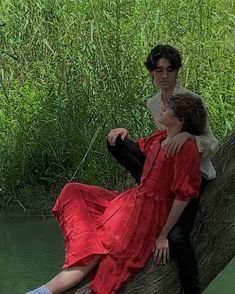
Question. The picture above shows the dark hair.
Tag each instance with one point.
(192, 112)
(163, 51)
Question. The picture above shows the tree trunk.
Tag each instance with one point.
(213, 235)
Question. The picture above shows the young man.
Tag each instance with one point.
(163, 64)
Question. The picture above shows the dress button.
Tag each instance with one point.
(124, 219)
(131, 205)
(116, 237)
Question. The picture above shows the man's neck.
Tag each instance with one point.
(166, 94)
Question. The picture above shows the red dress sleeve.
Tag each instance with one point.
(187, 174)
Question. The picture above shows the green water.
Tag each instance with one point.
(224, 283)
(31, 252)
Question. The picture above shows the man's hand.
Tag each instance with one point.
(161, 251)
(114, 133)
(174, 144)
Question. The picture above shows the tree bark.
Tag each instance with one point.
(213, 235)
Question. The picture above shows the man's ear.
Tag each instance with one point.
(176, 74)
(151, 73)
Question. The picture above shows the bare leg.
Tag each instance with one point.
(66, 279)
(70, 277)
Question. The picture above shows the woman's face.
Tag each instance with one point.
(167, 116)
(164, 75)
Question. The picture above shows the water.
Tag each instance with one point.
(224, 283)
(31, 252)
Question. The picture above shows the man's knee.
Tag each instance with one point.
(111, 149)
(109, 146)
(119, 144)
(179, 236)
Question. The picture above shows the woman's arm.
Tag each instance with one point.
(161, 254)
(185, 186)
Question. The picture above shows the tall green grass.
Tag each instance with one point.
(72, 70)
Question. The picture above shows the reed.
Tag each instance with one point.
(72, 70)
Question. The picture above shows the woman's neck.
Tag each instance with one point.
(173, 130)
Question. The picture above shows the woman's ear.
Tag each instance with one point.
(181, 119)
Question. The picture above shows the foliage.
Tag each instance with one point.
(72, 70)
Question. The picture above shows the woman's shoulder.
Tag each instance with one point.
(155, 138)
(159, 134)
(190, 147)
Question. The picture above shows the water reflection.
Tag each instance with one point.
(31, 252)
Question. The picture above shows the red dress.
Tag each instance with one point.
(122, 226)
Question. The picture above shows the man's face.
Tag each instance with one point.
(164, 75)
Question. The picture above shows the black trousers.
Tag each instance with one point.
(129, 155)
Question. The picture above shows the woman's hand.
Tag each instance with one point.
(114, 133)
(161, 251)
(173, 145)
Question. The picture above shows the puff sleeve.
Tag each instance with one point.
(187, 175)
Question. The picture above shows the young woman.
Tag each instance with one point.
(163, 64)
(119, 231)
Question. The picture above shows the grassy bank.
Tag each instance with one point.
(71, 70)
